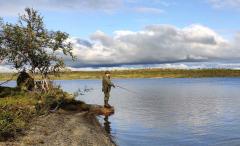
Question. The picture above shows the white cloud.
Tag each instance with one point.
(225, 3)
(13, 7)
(156, 44)
(149, 10)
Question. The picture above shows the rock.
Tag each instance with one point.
(79, 106)
(101, 110)
(107, 111)
(25, 81)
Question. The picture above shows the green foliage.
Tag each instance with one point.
(2, 52)
(28, 44)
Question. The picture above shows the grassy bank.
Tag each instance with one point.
(142, 73)
(18, 108)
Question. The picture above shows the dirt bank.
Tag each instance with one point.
(64, 128)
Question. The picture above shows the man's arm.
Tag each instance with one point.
(109, 82)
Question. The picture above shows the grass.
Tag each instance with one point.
(153, 73)
(141, 73)
(18, 108)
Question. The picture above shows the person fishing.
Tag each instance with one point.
(106, 88)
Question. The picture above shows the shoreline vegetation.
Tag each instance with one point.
(50, 118)
(138, 73)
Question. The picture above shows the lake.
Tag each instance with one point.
(169, 112)
(204, 111)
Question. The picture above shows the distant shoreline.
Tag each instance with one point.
(139, 73)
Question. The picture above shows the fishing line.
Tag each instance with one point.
(134, 92)
(127, 89)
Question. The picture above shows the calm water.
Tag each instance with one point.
(169, 111)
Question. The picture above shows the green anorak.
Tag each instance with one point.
(106, 86)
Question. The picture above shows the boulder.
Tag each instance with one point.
(101, 110)
(25, 81)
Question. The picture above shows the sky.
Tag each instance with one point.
(111, 34)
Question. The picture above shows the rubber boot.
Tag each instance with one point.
(106, 104)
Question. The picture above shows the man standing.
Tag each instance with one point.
(106, 88)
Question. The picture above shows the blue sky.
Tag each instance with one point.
(82, 22)
(116, 26)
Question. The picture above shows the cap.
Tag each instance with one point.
(107, 72)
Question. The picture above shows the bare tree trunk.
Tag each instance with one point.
(45, 84)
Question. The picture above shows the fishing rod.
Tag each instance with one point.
(127, 89)
(134, 92)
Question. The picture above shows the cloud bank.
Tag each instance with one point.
(225, 3)
(158, 46)
(182, 65)
(155, 44)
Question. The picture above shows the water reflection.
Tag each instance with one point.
(107, 125)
